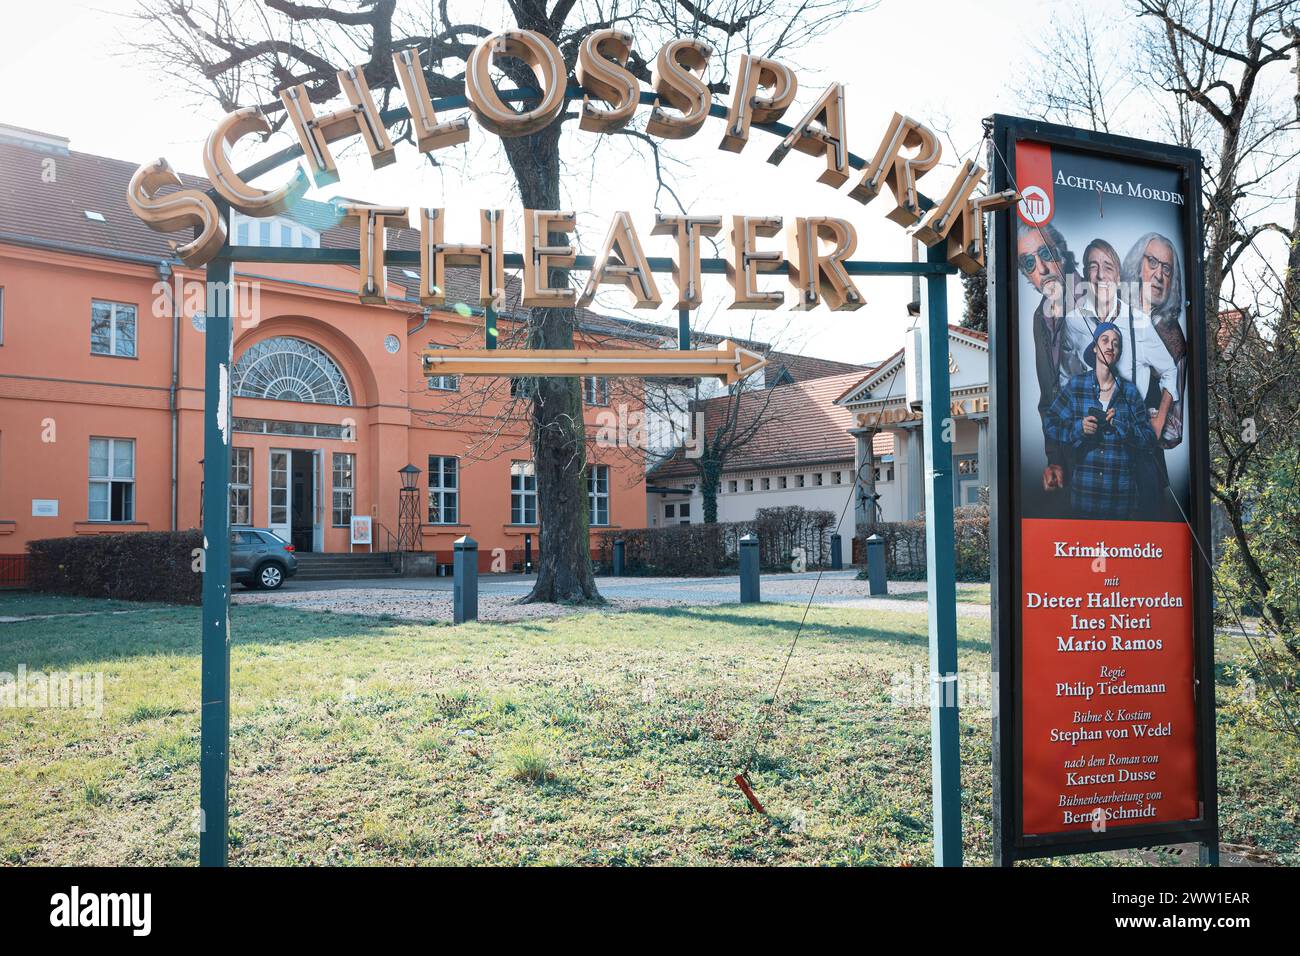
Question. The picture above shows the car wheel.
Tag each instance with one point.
(270, 577)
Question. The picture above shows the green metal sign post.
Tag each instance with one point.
(214, 732)
(945, 730)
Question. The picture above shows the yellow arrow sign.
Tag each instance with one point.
(728, 362)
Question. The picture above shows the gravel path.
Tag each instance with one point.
(430, 599)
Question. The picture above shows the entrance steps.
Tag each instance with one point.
(313, 566)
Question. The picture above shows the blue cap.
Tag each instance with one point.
(1090, 353)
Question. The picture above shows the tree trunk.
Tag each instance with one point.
(710, 482)
(558, 431)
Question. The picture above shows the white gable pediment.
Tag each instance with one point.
(968, 367)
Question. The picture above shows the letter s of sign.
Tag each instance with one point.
(177, 210)
(676, 78)
(601, 57)
(542, 56)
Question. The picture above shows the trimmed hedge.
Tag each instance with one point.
(905, 546)
(138, 566)
(706, 549)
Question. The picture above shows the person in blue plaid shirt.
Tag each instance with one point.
(1103, 420)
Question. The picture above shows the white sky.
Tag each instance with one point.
(64, 69)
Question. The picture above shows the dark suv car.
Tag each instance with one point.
(260, 558)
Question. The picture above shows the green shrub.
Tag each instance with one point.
(709, 549)
(905, 546)
(137, 566)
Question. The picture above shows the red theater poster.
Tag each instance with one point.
(1100, 608)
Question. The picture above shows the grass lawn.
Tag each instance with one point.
(592, 739)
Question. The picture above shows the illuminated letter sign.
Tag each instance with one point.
(177, 210)
(315, 133)
(541, 56)
(606, 80)
(436, 255)
(676, 78)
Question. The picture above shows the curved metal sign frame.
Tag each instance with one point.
(215, 667)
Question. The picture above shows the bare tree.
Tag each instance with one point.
(241, 52)
(1211, 75)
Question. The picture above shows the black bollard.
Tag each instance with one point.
(464, 598)
(528, 554)
(619, 555)
(837, 553)
(749, 569)
(876, 565)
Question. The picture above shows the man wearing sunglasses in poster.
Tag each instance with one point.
(1046, 261)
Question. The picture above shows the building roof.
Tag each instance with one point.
(44, 198)
(798, 424)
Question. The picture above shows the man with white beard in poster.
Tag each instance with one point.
(1046, 261)
(1146, 362)
(1151, 268)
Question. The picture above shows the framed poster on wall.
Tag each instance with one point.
(1103, 645)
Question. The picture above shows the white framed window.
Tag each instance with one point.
(112, 329)
(684, 511)
(595, 390)
(275, 231)
(523, 493)
(598, 494)
(345, 468)
(447, 383)
(765, 484)
(279, 485)
(749, 484)
(781, 481)
(112, 479)
(817, 478)
(444, 490)
(798, 481)
(241, 486)
(837, 477)
(733, 485)
(670, 511)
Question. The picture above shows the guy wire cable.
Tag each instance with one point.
(742, 778)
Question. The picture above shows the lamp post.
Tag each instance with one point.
(408, 510)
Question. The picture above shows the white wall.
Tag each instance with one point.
(742, 504)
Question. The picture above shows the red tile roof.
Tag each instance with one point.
(797, 424)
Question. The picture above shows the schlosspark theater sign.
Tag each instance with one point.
(1103, 722)
(815, 248)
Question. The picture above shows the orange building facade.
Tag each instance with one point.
(101, 386)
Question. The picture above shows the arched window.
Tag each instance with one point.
(290, 370)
